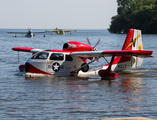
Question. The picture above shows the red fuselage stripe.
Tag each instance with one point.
(33, 69)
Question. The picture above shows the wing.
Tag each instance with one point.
(138, 53)
(17, 32)
(33, 50)
(26, 49)
(58, 30)
(22, 32)
(50, 31)
(38, 32)
(68, 30)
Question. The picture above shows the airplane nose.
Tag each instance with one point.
(65, 46)
(26, 67)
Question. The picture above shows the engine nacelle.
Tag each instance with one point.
(77, 46)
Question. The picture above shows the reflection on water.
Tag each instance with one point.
(123, 95)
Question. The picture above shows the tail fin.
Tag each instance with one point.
(133, 41)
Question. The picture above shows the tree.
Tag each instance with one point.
(137, 14)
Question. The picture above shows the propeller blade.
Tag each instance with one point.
(88, 41)
(97, 43)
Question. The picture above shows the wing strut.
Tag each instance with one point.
(18, 56)
(108, 72)
(106, 60)
(75, 72)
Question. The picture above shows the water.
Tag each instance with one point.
(132, 94)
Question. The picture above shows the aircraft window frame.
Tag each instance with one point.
(68, 58)
(41, 56)
(57, 56)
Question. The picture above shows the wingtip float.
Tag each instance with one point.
(72, 60)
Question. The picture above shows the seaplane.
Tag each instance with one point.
(59, 31)
(72, 59)
(28, 34)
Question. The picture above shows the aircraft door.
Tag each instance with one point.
(71, 63)
(68, 64)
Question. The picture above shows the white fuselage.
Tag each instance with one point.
(29, 34)
(53, 63)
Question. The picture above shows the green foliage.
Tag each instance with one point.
(137, 14)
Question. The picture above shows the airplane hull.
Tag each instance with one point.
(53, 63)
(29, 36)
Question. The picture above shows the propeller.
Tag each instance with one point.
(94, 46)
(97, 43)
(88, 41)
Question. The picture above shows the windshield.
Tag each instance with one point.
(41, 55)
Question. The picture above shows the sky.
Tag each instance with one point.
(63, 14)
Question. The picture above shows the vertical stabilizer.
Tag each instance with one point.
(133, 41)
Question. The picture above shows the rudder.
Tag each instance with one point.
(133, 41)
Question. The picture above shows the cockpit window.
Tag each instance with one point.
(41, 55)
(57, 56)
(68, 58)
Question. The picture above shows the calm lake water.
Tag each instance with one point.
(132, 94)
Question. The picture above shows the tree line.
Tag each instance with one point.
(137, 14)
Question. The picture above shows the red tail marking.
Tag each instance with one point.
(126, 46)
(128, 40)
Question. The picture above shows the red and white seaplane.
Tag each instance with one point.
(72, 60)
